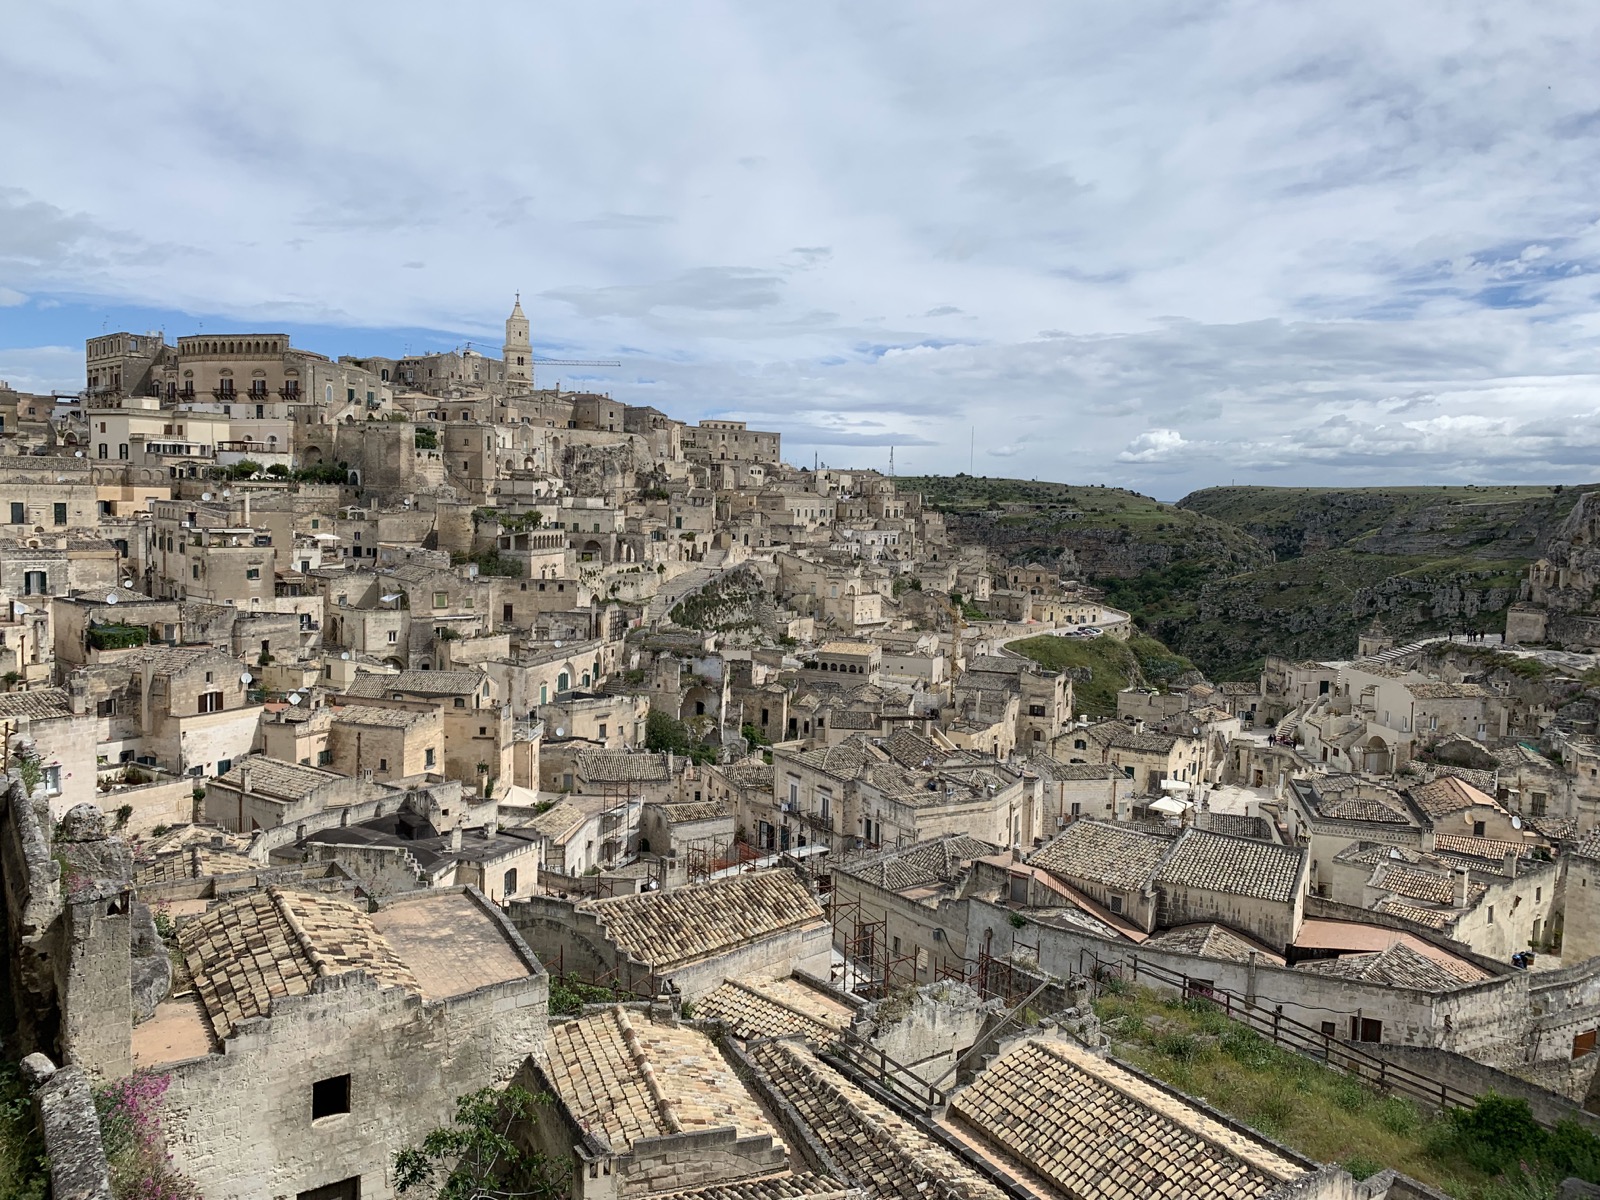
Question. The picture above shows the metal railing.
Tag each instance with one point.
(855, 1052)
(1340, 1055)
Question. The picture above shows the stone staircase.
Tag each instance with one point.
(674, 591)
(1395, 653)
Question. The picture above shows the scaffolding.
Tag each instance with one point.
(870, 967)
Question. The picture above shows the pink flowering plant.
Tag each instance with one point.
(136, 1148)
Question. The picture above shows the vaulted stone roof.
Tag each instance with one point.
(882, 1153)
(1096, 1131)
(248, 952)
(628, 1079)
(764, 1010)
(607, 766)
(671, 928)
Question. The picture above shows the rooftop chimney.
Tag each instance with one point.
(244, 777)
(1460, 897)
(455, 839)
(1509, 870)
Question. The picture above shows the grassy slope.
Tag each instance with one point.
(1104, 666)
(1199, 576)
(1490, 522)
(1045, 516)
(1321, 1113)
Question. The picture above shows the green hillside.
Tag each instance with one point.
(1101, 667)
(1230, 575)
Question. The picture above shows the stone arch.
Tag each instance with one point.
(1376, 757)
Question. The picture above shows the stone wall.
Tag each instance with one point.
(70, 1129)
(241, 1119)
(1478, 1020)
(1463, 1073)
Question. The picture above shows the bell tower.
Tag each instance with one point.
(518, 351)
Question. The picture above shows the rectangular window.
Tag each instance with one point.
(330, 1097)
(1116, 904)
(394, 636)
(252, 573)
(441, 599)
(210, 702)
(427, 760)
(324, 757)
(60, 514)
(383, 764)
(19, 513)
(602, 733)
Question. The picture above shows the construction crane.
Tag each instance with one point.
(569, 362)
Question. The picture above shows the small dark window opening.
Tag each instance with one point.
(330, 1096)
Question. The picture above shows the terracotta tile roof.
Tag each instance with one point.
(556, 823)
(1433, 918)
(1481, 847)
(750, 1010)
(607, 766)
(1448, 794)
(629, 1079)
(690, 811)
(1240, 825)
(417, 683)
(1113, 855)
(38, 704)
(750, 772)
(1095, 1131)
(912, 749)
(1422, 883)
(276, 779)
(1372, 854)
(1240, 866)
(1326, 797)
(682, 925)
(1398, 966)
(1211, 940)
(881, 1152)
(387, 718)
(773, 1187)
(941, 859)
(248, 952)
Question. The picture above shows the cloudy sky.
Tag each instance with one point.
(1162, 245)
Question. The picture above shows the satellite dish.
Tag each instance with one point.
(111, 598)
(77, 454)
(205, 495)
(22, 608)
(226, 492)
(247, 678)
(1516, 822)
(294, 698)
(127, 583)
(560, 732)
(345, 655)
(391, 598)
(558, 645)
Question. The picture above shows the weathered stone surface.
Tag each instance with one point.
(71, 1131)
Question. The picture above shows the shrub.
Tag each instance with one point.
(1360, 1166)
(136, 1149)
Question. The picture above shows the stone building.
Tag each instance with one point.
(319, 1038)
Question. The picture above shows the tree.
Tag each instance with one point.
(476, 1158)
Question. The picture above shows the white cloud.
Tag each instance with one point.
(1297, 238)
(1155, 445)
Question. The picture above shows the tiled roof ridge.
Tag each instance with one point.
(775, 1002)
(318, 960)
(666, 1108)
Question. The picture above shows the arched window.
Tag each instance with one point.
(105, 450)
